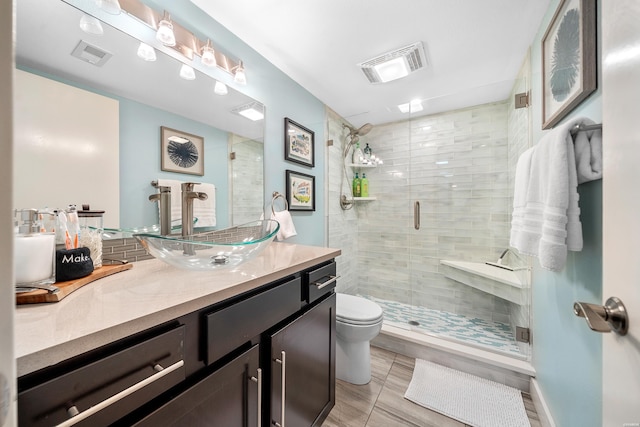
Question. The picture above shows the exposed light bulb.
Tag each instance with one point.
(187, 73)
(239, 75)
(208, 55)
(220, 88)
(91, 25)
(146, 52)
(110, 6)
(165, 33)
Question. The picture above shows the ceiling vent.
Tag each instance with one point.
(91, 54)
(395, 64)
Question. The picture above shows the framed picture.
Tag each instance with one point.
(301, 191)
(181, 152)
(298, 143)
(568, 59)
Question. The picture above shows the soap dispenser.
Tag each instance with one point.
(34, 250)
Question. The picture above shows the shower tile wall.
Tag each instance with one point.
(247, 177)
(458, 163)
(342, 225)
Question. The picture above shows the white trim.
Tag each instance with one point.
(542, 409)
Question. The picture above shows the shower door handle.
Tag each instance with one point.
(416, 215)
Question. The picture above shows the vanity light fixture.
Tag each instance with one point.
(110, 6)
(91, 25)
(220, 88)
(208, 55)
(187, 73)
(146, 52)
(165, 33)
(238, 74)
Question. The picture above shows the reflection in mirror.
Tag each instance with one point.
(147, 95)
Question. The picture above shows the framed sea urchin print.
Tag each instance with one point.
(181, 152)
(568, 59)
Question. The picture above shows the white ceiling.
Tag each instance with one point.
(474, 48)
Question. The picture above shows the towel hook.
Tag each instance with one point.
(276, 196)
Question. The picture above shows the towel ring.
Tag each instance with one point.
(276, 196)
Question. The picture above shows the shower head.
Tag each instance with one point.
(363, 130)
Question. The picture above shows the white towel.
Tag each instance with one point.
(546, 216)
(287, 229)
(588, 147)
(205, 210)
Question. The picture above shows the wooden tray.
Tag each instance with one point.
(41, 295)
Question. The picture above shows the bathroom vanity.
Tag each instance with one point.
(158, 346)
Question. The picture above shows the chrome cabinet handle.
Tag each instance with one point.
(416, 215)
(283, 362)
(612, 316)
(327, 283)
(258, 379)
(161, 372)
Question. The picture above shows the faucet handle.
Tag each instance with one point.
(188, 186)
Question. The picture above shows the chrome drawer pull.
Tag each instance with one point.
(283, 362)
(258, 380)
(327, 283)
(121, 395)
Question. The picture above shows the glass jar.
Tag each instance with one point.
(34, 249)
(91, 228)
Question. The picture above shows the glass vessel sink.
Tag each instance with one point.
(208, 249)
(119, 233)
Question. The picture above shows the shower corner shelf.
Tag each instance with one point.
(357, 165)
(363, 199)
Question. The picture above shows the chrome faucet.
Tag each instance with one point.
(163, 197)
(187, 206)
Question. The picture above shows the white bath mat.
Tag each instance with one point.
(467, 398)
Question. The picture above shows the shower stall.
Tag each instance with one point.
(439, 210)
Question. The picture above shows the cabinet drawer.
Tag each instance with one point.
(230, 396)
(229, 328)
(105, 390)
(319, 282)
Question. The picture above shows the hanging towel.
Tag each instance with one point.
(176, 198)
(205, 210)
(588, 148)
(546, 216)
(287, 229)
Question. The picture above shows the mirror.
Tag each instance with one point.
(149, 95)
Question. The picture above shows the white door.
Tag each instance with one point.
(7, 296)
(621, 205)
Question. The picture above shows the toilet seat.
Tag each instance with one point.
(354, 310)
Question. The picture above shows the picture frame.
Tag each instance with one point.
(301, 191)
(569, 62)
(181, 152)
(299, 143)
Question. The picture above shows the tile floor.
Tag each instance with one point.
(381, 403)
(493, 336)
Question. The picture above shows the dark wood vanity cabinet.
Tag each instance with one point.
(266, 358)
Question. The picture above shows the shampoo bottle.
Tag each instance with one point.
(356, 186)
(364, 186)
(358, 156)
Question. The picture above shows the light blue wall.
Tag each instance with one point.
(567, 355)
(140, 162)
(282, 97)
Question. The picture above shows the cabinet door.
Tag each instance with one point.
(229, 397)
(303, 368)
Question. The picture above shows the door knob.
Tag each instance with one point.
(612, 316)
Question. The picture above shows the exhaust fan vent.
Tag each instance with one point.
(91, 54)
(401, 61)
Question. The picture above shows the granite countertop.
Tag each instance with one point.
(151, 293)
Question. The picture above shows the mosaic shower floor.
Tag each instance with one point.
(489, 335)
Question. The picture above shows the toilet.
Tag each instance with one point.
(358, 321)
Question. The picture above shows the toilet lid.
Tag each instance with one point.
(352, 309)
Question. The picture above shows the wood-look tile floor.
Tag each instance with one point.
(381, 403)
